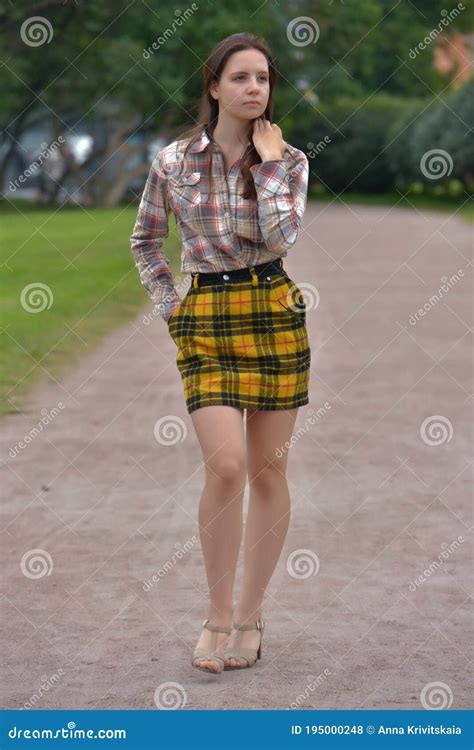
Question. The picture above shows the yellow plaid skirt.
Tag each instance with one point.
(243, 344)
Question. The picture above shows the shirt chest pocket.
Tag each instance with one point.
(186, 191)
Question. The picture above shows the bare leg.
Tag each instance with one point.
(268, 514)
(220, 432)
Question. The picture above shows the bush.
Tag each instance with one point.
(377, 144)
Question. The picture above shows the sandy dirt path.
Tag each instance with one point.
(364, 609)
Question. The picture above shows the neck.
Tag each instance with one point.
(230, 132)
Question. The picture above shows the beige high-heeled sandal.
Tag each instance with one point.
(202, 654)
(249, 654)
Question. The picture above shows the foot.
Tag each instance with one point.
(248, 638)
(206, 639)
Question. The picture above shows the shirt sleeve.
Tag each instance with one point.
(282, 188)
(150, 229)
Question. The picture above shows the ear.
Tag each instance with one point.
(213, 89)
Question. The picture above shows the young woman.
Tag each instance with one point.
(238, 192)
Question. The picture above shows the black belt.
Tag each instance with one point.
(240, 274)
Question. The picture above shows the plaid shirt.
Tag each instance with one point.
(219, 232)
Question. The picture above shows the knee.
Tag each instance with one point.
(227, 469)
(266, 476)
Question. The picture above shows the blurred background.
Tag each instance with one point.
(377, 93)
(101, 472)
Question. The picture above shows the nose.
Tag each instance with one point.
(253, 86)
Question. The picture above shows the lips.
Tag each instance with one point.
(251, 102)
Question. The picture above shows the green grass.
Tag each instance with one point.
(85, 259)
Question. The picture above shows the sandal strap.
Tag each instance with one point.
(202, 654)
(216, 628)
(257, 625)
(236, 653)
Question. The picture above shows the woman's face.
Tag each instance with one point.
(244, 86)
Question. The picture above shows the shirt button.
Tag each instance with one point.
(226, 277)
(226, 213)
(268, 278)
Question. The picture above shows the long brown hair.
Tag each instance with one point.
(209, 107)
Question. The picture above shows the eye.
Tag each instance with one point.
(262, 78)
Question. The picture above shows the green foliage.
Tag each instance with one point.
(356, 84)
